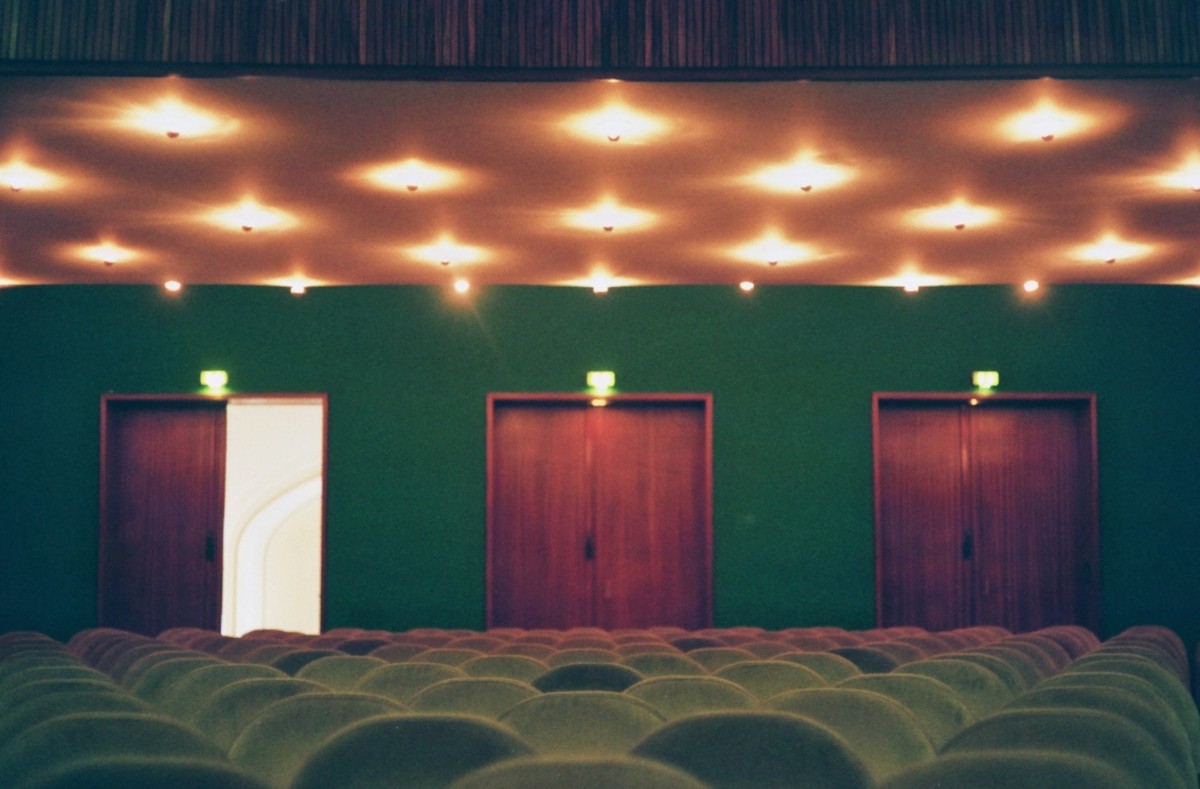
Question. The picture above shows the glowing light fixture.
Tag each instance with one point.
(599, 402)
(601, 381)
(802, 174)
(297, 288)
(746, 285)
(614, 123)
(1031, 285)
(461, 285)
(446, 251)
(214, 379)
(1110, 249)
(1186, 177)
(912, 281)
(411, 175)
(958, 215)
(985, 379)
(600, 284)
(1046, 121)
(174, 118)
(173, 286)
(771, 248)
(249, 215)
(107, 253)
(18, 176)
(608, 215)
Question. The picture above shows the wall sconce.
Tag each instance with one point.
(985, 379)
(601, 381)
(214, 379)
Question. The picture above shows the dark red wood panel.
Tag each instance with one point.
(162, 512)
(651, 502)
(920, 517)
(539, 516)
(1033, 493)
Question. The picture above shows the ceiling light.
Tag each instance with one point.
(1031, 285)
(250, 215)
(175, 119)
(802, 174)
(297, 288)
(1110, 249)
(18, 176)
(107, 253)
(614, 123)
(600, 284)
(173, 286)
(411, 175)
(1186, 177)
(1046, 122)
(773, 249)
(912, 281)
(746, 285)
(958, 215)
(446, 251)
(608, 216)
(461, 285)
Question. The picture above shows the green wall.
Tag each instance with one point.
(791, 370)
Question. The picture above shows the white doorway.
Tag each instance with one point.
(274, 490)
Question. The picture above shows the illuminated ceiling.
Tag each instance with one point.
(131, 180)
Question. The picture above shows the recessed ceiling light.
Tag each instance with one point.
(746, 285)
(1186, 177)
(614, 123)
(801, 174)
(600, 284)
(773, 249)
(1110, 249)
(446, 251)
(173, 286)
(174, 118)
(411, 175)
(1046, 122)
(957, 215)
(1031, 285)
(18, 176)
(250, 215)
(461, 285)
(106, 252)
(608, 215)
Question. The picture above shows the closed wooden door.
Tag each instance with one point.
(599, 515)
(162, 506)
(986, 511)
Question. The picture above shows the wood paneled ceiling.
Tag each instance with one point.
(919, 182)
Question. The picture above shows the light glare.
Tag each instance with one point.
(18, 176)
(772, 249)
(446, 251)
(608, 216)
(614, 123)
(802, 174)
(249, 215)
(411, 175)
(173, 118)
(1110, 249)
(958, 215)
(1046, 122)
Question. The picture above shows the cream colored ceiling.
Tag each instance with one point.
(302, 146)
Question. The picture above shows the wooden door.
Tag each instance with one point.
(162, 505)
(986, 511)
(599, 515)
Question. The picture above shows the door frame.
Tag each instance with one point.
(704, 399)
(1085, 399)
(185, 399)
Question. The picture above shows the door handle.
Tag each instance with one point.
(968, 545)
(589, 548)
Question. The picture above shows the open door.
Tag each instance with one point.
(599, 514)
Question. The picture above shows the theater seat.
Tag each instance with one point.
(401, 681)
(277, 742)
(678, 697)
(980, 689)
(578, 772)
(407, 751)
(195, 689)
(519, 667)
(1098, 735)
(146, 773)
(585, 721)
(1014, 769)
(488, 697)
(939, 709)
(651, 664)
(339, 672)
(716, 658)
(833, 668)
(17, 716)
(760, 749)
(766, 678)
(231, 708)
(880, 731)
(587, 676)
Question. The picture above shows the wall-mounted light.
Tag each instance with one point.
(214, 379)
(601, 381)
(985, 379)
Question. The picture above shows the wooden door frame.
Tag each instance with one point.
(1085, 399)
(187, 399)
(704, 399)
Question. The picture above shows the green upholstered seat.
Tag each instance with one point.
(193, 690)
(526, 649)
(131, 772)
(231, 708)
(402, 681)
(1012, 667)
(979, 688)
(1103, 736)
(276, 743)
(15, 682)
(587, 676)
(880, 731)
(480, 643)
(155, 683)
(413, 751)
(833, 668)
(132, 674)
(936, 706)
(660, 664)
(77, 736)
(585, 721)
(291, 661)
(1014, 769)
(488, 697)
(678, 697)
(339, 672)
(565, 657)
(520, 667)
(609, 771)
(17, 716)
(868, 658)
(766, 678)
(756, 749)
(716, 658)
(447, 656)
(397, 653)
